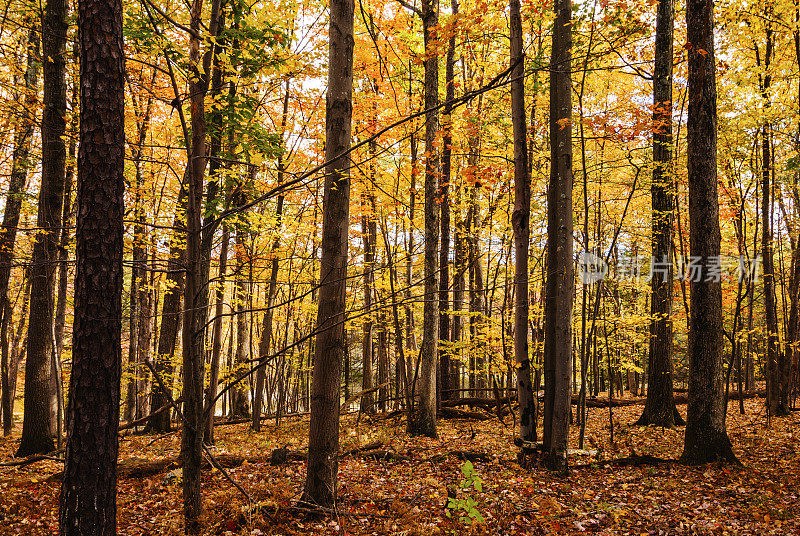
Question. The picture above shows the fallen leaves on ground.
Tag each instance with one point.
(408, 498)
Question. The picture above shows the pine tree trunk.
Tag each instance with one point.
(88, 505)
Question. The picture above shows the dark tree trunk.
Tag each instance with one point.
(323, 443)
(706, 438)
(445, 351)
(216, 340)
(242, 290)
(366, 404)
(197, 265)
(660, 407)
(39, 421)
(88, 503)
(422, 420)
(8, 232)
(521, 222)
(265, 343)
(170, 317)
(67, 214)
(560, 271)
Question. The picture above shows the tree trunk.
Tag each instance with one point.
(706, 438)
(560, 271)
(445, 351)
(197, 266)
(216, 341)
(265, 343)
(323, 443)
(422, 420)
(521, 223)
(367, 220)
(242, 290)
(660, 407)
(8, 232)
(170, 316)
(88, 503)
(39, 421)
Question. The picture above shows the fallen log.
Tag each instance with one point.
(466, 455)
(139, 467)
(146, 418)
(455, 413)
(357, 396)
(283, 455)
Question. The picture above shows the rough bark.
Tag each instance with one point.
(660, 408)
(706, 439)
(323, 445)
(560, 271)
(39, 421)
(422, 420)
(88, 493)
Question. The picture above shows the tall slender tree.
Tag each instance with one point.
(8, 232)
(323, 441)
(522, 233)
(197, 264)
(88, 505)
(39, 420)
(660, 406)
(560, 272)
(422, 420)
(706, 438)
(445, 362)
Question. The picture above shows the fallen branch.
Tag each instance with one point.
(455, 413)
(357, 396)
(139, 468)
(146, 418)
(283, 455)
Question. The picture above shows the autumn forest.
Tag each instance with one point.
(399, 267)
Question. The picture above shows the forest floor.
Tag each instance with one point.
(407, 497)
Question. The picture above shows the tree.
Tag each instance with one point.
(446, 367)
(777, 383)
(422, 420)
(39, 420)
(88, 504)
(522, 232)
(706, 439)
(660, 407)
(560, 272)
(197, 261)
(8, 232)
(323, 440)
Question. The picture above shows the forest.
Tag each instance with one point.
(399, 267)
